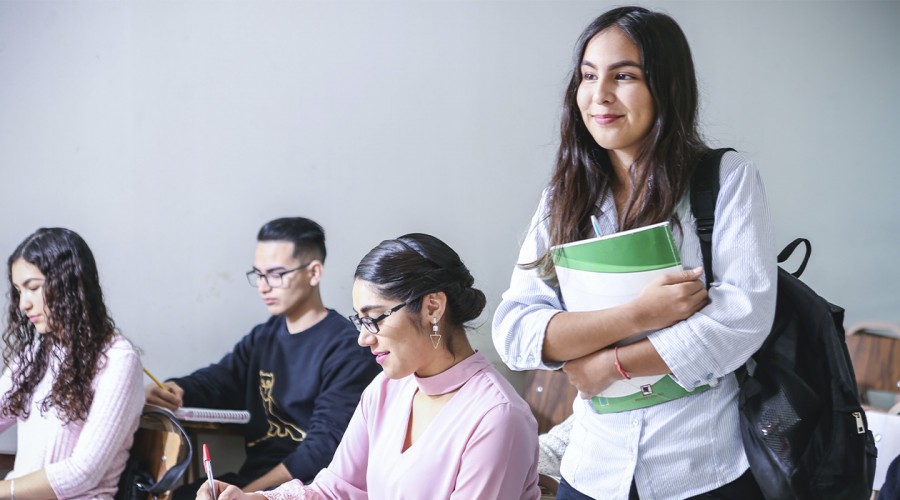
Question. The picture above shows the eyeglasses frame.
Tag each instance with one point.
(280, 275)
(371, 323)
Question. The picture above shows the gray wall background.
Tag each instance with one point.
(167, 132)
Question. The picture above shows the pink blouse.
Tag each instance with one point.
(482, 444)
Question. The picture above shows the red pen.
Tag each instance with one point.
(207, 466)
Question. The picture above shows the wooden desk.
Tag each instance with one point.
(876, 361)
(195, 431)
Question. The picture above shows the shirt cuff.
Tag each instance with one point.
(529, 355)
(687, 371)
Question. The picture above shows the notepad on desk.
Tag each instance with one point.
(189, 414)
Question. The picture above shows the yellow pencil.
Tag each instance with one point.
(161, 386)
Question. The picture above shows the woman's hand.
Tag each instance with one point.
(593, 373)
(670, 299)
(225, 491)
(171, 398)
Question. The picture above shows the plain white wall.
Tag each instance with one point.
(167, 132)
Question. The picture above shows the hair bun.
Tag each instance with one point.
(469, 304)
(465, 276)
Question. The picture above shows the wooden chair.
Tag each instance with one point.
(875, 353)
(550, 396)
(161, 450)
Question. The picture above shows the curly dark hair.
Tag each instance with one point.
(80, 328)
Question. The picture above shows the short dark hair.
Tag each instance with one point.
(416, 264)
(307, 236)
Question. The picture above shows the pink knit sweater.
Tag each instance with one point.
(83, 459)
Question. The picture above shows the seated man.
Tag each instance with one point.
(300, 374)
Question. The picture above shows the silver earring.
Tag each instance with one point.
(435, 336)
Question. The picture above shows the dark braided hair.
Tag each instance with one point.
(80, 328)
(416, 264)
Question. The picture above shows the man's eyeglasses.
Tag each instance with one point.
(274, 279)
(371, 324)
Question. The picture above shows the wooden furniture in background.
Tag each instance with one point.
(875, 353)
(550, 396)
(159, 446)
(196, 431)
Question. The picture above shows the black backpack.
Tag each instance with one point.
(138, 481)
(803, 427)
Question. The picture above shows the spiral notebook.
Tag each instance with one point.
(212, 415)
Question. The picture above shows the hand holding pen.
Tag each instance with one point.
(207, 466)
(217, 490)
(225, 491)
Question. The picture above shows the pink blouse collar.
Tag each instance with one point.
(454, 377)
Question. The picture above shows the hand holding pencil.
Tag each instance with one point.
(166, 394)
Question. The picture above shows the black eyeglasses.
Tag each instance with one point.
(371, 324)
(274, 279)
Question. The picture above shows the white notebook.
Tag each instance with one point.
(212, 415)
(607, 271)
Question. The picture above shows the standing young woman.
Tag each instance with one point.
(629, 145)
(440, 422)
(71, 382)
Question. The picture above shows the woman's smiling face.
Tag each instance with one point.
(613, 96)
(401, 346)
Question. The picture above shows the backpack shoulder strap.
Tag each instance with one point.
(704, 193)
(170, 479)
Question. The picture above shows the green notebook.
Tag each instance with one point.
(608, 271)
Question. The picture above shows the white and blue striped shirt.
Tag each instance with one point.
(691, 445)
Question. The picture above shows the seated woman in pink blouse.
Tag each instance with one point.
(71, 382)
(440, 422)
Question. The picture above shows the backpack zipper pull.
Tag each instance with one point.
(860, 428)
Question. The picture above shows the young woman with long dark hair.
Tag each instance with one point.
(629, 144)
(71, 383)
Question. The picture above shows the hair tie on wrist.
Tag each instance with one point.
(625, 374)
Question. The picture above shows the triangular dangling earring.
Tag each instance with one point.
(435, 336)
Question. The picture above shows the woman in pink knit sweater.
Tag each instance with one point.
(71, 383)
